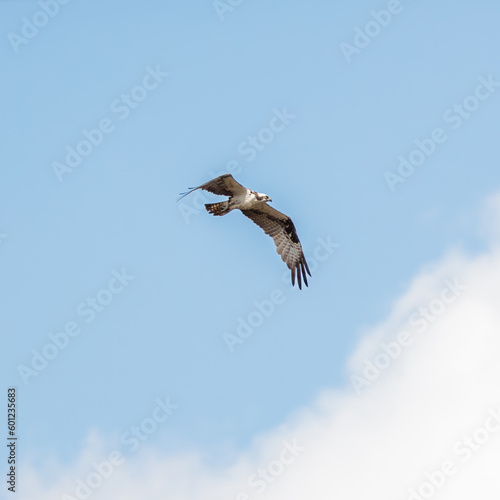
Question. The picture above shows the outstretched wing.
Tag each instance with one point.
(281, 229)
(224, 185)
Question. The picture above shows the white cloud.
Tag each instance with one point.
(431, 409)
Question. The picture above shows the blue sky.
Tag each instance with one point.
(202, 87)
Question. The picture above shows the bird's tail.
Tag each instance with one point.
(220, 208)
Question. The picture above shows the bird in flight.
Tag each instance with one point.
(254, 205)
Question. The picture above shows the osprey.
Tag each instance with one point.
(254, 205)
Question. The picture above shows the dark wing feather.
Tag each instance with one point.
(223, 185)
(281, 229)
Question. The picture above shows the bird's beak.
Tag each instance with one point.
(269, 199)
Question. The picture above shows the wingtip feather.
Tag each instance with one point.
(307, 267)
(304, 274)
(190, 190)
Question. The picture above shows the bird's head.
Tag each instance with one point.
(263, 197)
